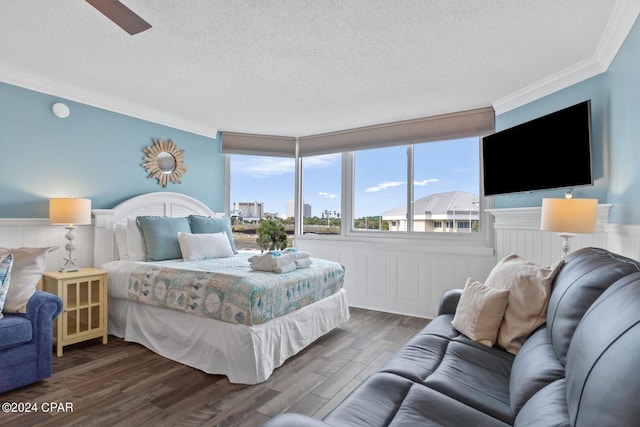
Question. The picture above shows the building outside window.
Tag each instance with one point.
(260, 187)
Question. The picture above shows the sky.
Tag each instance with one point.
(380, 177)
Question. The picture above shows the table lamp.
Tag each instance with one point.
(72, 212)
(569, 216)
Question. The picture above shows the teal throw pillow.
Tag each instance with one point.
(160, 235)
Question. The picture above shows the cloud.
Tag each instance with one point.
(262, 167)
(321, 161)
(327, 195)
(426, 181)
(384, 186)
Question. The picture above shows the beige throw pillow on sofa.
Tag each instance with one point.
(480, 312)
(529, 288)
(28, 266)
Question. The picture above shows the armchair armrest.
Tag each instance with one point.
(294, 420)
(449, 301)
(43, 308)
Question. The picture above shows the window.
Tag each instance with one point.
(425, 178)
(380, 189)
(443, 184)
(260, 187)
(321, 178)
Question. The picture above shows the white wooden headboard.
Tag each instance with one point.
(159, 204)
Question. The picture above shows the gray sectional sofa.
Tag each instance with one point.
(580, 369)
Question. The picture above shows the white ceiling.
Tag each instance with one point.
(302, 67)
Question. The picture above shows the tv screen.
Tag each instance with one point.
(552, 151)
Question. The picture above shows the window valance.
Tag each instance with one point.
(456, 125)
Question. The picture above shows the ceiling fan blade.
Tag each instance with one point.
(121, 15)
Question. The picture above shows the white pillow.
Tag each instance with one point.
(27, 269)
(121, 242)
(135, 242)
(205, 245)
(480, 312)
(529, 288)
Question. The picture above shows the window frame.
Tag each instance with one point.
(482, 236)
(470, 123)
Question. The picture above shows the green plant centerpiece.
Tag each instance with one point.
(271, 235)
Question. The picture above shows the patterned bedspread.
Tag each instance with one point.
(227, 289)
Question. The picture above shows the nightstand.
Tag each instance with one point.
(84, 316)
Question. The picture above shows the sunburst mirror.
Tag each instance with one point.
(165, 162)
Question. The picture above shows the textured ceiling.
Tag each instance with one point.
(296, 67)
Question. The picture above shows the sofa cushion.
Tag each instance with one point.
(583, 278)
(603, 360)
(419, 357)
(387, 400)
(547, 408)
(529, 288)
(14, 330)
(373, 403)
(535, 366)
(480, 312)
(475, 375)
(441, 326)
(426, 407)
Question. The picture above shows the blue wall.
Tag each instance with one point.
(93, 154)
(615, 105)
(623, 79)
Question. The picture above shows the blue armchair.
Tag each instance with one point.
(26, 342)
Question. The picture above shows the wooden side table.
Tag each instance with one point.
(84, 316)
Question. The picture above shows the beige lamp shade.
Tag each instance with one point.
(569, 215)
(69, 211)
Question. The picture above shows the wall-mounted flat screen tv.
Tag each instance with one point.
(552, 151)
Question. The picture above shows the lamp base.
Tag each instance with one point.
(70, 260)
(565, 242)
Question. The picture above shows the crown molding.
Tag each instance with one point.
(102, 101)
(622, 19)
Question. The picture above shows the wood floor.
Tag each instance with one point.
(124, 384)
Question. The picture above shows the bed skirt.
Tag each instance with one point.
(245, 354)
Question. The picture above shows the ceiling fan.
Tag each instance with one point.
(121, 15)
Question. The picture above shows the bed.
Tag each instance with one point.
(246, 346)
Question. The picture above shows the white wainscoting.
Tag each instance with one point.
(37, 232)
(517, 230)
(623, 239)
(405, 278)
(401, 277)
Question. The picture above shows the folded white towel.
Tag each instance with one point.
(297, 254)
(285, 268)
(271, 261)
(303, 262)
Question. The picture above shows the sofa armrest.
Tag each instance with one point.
(449, 301)
(294, 420)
